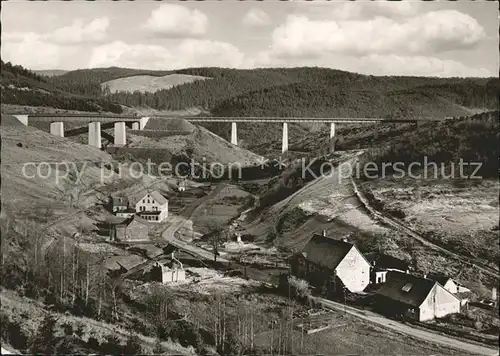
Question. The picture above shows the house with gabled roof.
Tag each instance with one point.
(131, 229)
(415, 297)
(445, 281)
(152, 207)
(331, 265)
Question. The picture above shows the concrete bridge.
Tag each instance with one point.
(98, 122)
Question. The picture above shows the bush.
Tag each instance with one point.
(133, 346)
(44, 341)
(299, 288)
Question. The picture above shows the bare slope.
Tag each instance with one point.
(329, 203)
(149, 83)
(180, 137)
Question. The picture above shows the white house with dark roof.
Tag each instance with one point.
(415, 297)
(331, 265)
(152, 207)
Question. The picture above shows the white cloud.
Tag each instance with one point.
(182, 54)
(364, 10)
(256, 18)
(377, 64)
(77, 33)
(172, 20)
(418, 66)
(428, 33)
(30, 51)
(80, 32)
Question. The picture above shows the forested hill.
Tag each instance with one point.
(304, 91)
(297, 92)
(21, 86)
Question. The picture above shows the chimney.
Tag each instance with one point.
(172, 255)
(323, 233)
(425, 275)
(407, 271)
(494, 294)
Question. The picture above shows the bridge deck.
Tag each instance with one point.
(109, 118)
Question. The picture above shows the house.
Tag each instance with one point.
(331, 265)
(119, 203)
(415, 297)
(153, 207)
(168, 274)
(445, 281)
(131, 229)
(181, 186)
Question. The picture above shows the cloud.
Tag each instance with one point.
(377, 64)
(431, 32)
(80, 32)
(30, 51)
(177, 21)
(256, 18)
(366, 10)
(181, 54)
(77, 33)
(418, 66)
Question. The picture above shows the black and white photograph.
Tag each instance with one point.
(236, 178)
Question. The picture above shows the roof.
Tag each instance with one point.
(136, 218)
(115, 220)
(119, 201)
(406, 288)
(438, 277)
(160, 199)
(382, 260)
(326, 251)
(149, 213)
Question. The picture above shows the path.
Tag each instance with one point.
(399, 226)
(186, 214)
(405, 329)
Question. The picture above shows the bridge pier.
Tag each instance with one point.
(142, 122)
(57, 128)
(120, 134)
(22, 118)
(95, 134)
(284, 142)
(136, 126)
(234, 134)
(332, 137)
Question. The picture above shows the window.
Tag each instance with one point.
(148, 201)
(407, 287)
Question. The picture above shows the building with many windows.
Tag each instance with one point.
(152, 207)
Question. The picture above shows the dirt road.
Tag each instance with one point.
(405, 329)
(186, 214)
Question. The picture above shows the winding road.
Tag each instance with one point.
(408, 330)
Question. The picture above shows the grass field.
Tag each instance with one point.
(149, 83)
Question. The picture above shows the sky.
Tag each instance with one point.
(434, 38)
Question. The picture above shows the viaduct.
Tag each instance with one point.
(99, 122)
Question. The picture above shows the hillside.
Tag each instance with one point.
(148, 83)
(23, 87)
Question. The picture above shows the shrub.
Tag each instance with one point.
(299, 288)
(133, 346)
